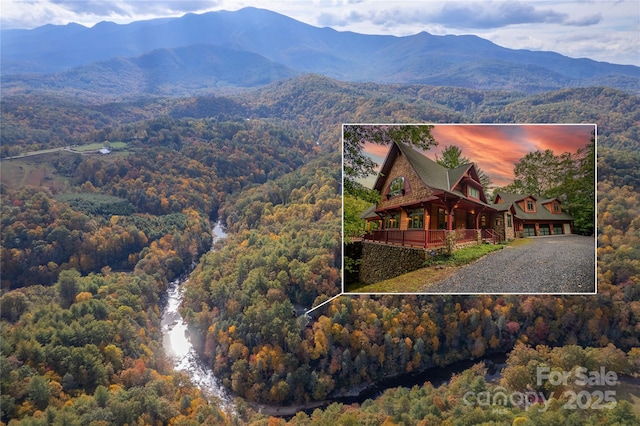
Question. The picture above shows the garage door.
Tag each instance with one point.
(529, 230)
(557, 229)
(544, 229)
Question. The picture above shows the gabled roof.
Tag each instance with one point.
(541, 213)
(508, 199)
(456, 174)
(369, 213)
(432, 174)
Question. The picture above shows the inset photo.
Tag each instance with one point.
(469, 208)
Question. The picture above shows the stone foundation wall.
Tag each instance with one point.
(466, 244)
(381, 262)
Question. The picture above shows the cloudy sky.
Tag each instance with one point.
(496, 148)
(604, 30)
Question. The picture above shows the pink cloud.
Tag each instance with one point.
(496, 148)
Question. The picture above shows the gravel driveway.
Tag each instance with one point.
(550, 264)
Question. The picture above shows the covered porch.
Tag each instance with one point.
(431, 223)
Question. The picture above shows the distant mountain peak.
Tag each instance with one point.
(421, 58)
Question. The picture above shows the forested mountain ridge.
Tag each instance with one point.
(314, 104)
(178, 71)
(291, 46)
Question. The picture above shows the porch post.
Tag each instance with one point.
(450, 205)
(426, 223)
(450, 218)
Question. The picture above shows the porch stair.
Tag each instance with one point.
(491, 236)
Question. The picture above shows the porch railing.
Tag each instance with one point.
(466, 235)
(491, 235)
(427, 238)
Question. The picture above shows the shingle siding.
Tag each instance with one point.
(402, 168)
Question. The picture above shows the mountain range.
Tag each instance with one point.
(251, 47)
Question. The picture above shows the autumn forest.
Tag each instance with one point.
(91, 242)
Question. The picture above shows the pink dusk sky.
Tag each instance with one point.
(496, 148)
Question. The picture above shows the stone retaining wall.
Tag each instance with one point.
(381, 261)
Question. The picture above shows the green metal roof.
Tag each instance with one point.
(369, 213)
(541, 212)
(432, 174)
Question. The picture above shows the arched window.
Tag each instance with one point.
(396, 187)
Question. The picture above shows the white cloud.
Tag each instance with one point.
(494, 15)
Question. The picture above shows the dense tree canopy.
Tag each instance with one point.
(81, 339)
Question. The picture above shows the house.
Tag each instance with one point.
(527, 215)
(422, 202)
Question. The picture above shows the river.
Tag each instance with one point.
(178, 347)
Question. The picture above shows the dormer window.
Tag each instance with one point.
(556, 207)
(473, 192)
(396, 187)
(530, 206)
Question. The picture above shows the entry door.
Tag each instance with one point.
(567, 228)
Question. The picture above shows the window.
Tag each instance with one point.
(530, 206)
(416, 219)
(442, 219)
(556, 208)
(509, 222)
(392, 221)
(473, 192)
(396, 187)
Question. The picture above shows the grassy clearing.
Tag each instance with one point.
(35, 170)
(98, 145)
(520, 242)
(465, 255)
(437, 269)
(406, 283)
